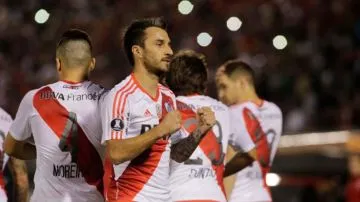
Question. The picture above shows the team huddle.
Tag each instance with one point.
(153, 137)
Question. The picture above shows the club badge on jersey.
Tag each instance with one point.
(117, 124)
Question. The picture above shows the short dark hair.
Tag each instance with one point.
(187, 73)
(74, 35)
(234, 68)
(74, 48)
(134, 34)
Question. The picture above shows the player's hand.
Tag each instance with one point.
(170, 123)
(206, 118)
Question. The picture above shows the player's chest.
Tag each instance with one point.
(147, 113)
(144, 116)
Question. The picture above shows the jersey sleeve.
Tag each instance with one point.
(114, 117)
(20, 128)
(240, 137)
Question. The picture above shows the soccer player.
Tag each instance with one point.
(201, 176)
(18, 167)
(140, 120)
(61, 117)
(260, 119)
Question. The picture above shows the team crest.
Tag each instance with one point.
(117, 124)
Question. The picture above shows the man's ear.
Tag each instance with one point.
(58, 64)
(137, 51)
(92, 64)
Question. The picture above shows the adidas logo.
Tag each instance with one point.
(147, 113)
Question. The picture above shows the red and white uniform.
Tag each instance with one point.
(63, 119)
(129, 111)
(5, 123)
(263, 123)
(201, 176)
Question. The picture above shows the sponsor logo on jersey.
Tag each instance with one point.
(50, 95)
(47, 95)
(117, 124)
(71, 86)
(80, 97)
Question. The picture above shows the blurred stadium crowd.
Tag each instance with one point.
(315, 79)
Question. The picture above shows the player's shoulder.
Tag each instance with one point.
(29, 96)
(97, 89)
(270, 106)
(165, 90)
(123, 86)
(123, 92)
(198, 101)
(94, 87)
(216, 102)
(188, 102)
(244, 106)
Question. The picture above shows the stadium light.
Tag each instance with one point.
(233, 24)
(279, 42)
(204, 39)
(41, 16)
(272, 179)
(185, 7)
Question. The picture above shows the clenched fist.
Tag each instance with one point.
(206, 118)
(170, 123)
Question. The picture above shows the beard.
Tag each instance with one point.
(155, 69)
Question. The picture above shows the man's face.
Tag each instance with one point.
(156, 51)
(226, 89)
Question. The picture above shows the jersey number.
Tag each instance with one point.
(264, 144)
(217, 129)
(68, 140)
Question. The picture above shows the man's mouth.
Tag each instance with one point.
(166, 60)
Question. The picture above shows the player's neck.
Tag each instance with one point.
(251, 97)
(73, 77)
(148, 81)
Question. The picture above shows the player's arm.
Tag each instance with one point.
(229, 181)
(16, 143)
(182, 150)
(123, 150)
(19, 171)
(240, 161)
(19, 149)
(120, 151)
(240, 140)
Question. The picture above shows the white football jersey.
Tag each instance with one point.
(63, 119)
(263, 123)
(201, 176)
(129, 111)
(5, 123)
